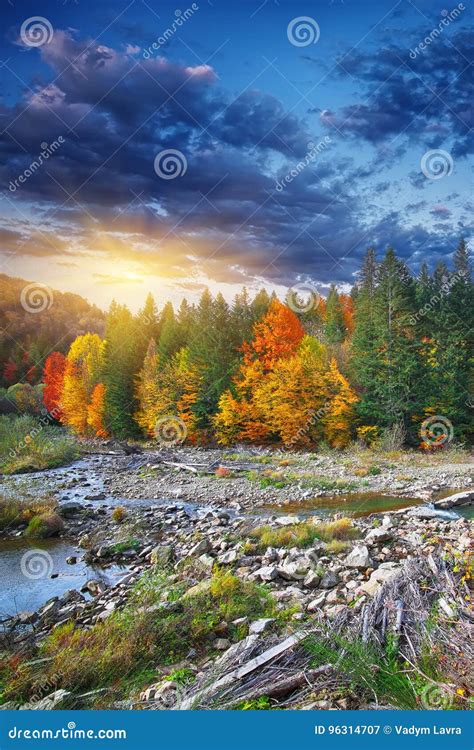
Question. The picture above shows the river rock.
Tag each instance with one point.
(261, 626)
(460, 498)
(378, 535)
(358, 558)
(161, 555)
(200, 548)
(287, 520)
(385, 572)
(266, 573)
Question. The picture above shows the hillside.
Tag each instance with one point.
(34, 320)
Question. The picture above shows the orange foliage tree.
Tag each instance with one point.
(96, 411)
(53, 379)
(276, 337)
(82, 374)
(339, 416)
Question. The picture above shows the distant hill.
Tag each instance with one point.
(35, 320)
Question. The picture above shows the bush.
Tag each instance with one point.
(304, 534)
(14, 513)
(44, 526)
(118, 514)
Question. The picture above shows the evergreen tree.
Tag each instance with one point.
(335, 327)
(122, 354)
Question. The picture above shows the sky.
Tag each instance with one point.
(222, 144)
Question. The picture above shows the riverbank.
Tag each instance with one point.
(212, 554)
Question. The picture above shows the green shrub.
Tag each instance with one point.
(44, 526)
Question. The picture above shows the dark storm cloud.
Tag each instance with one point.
(428, 97)
(116, 110)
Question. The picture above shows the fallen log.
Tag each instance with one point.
(238, 674)
(285, 685)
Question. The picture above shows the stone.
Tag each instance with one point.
(295, 571)
(228, 557)
(200, 548)
(385, 572)
(267, 573)
(312, 580)
(222, 644)
(378, 535)
(70, 508)
(317, 603)
(358, 558)
(71, 560)
(460, 498)
(261, 626)
(161, 555)
(287, 520)
(329, 580)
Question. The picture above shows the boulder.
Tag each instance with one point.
(329, 580)
(358, 558)
(287, 520)
(459, 499)
(267, 573)
(385, 572)
(200, 548)
(261, 626)
(378, 535)
(162, 555)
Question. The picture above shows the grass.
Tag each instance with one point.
(143, 636)
(14, 513)
(44, 525)
(365, 669)
(304, 534)
(31, 444)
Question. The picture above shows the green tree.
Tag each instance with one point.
(122, 360)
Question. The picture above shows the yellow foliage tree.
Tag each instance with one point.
(339, 417)
(82, 373)
(292, 398)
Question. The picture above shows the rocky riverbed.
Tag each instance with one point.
(190, 510)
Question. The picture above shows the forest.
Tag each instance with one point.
(391, 360)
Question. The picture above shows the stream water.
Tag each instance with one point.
(20, 592)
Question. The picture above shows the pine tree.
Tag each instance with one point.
(122, 354)
(335, 327)
(168, 341)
